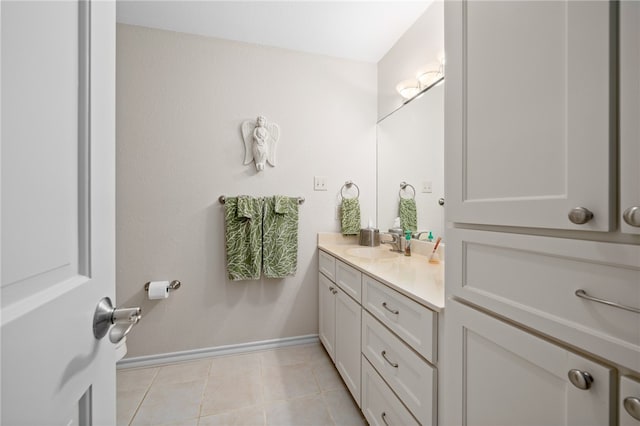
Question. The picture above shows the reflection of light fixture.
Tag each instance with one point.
(427, 78)
(431, 73)
(408, 88)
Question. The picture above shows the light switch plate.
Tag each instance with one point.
(426, 186)
(319, 183)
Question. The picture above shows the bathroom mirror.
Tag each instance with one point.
(411, 149)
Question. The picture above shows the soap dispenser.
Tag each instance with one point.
(407, 247)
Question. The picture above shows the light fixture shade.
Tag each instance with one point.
(408, 88)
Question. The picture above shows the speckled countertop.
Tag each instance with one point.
(412, 276)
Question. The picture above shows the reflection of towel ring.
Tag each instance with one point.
(348, 184)
(403, 186)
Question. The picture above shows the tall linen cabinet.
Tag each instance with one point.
(542, 136)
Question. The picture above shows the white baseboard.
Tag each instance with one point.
(171, 357)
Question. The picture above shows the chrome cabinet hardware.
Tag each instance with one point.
(632, 216)
(393, 311)
(441, 201)
(384, 355)
(106, 315)
(583, 294)
(383, 416)
(580, 379)
(632, 405)
(580, 215)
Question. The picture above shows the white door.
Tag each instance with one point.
(527, 123)
(58, 211)
(497, 374)
(629, 113)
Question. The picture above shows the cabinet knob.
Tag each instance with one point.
(580, 215)
(632, 405)
(580, 379)
(632, 216)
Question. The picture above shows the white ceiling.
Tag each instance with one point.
(358, 30)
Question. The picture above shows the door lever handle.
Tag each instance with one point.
(106, 315)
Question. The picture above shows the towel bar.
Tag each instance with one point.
(223, 199)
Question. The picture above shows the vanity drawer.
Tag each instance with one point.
(349, 279)
(327, 265)
(379, 405)
(410, 377)
(533, 280)
(414, 323)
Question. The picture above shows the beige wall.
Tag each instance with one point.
(180, 102)
(422, 44)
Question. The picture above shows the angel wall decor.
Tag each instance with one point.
(260, 140)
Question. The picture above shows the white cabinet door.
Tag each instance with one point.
(348, 325)
(527, 112)
(327, 313)
(629, 113)
(497, 374)
(58, 211)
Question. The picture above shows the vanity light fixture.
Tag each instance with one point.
(408, 88)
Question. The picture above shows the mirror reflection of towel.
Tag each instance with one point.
(408, 214)
(350, 216)
(280, 237)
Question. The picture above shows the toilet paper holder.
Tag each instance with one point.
(173, 285)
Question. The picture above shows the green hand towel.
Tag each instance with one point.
(350, 216)
(243, 235)
(280, 237)
(408, 214)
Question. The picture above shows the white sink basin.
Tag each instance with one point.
(372, 253)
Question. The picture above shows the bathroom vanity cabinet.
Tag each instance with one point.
(383, 342)
(524, 286)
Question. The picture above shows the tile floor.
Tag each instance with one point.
(292, 386)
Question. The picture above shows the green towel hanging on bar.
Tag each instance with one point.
(243, 235)
(408, 214)
(280, 237)
(350, 216)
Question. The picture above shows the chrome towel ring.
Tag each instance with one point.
(403, 187)
(348, 184)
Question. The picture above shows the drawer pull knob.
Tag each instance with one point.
(384, 355)
(632, 405)
(583, 294)
(383, 416)
(393, 311)
(580, 379)
(632, 216)
(580, 215)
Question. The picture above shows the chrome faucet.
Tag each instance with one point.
(396, 242)
(416, 235)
